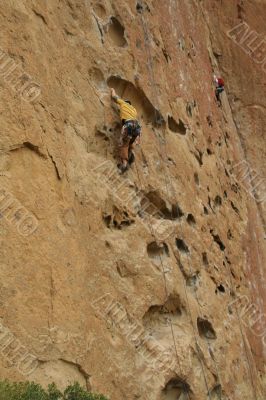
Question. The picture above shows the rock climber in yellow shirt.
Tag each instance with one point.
(130, 132)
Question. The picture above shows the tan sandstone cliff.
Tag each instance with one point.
(150, 285)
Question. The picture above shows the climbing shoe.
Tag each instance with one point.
(123, 168)
(131, 158)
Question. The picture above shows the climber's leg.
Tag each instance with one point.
(217, 95)
(123, 149)
(218, 92)
(131, 158)
(131, 155)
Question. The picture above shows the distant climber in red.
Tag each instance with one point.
(219, 83)
(130, 133)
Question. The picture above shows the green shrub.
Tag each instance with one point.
(33, 391)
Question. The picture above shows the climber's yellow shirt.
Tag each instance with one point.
(126, 110)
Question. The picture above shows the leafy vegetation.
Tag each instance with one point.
(33, 391)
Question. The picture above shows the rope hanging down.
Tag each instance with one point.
(239, 321)
(220, 160)
(151, 72)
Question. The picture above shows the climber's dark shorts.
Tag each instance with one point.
(129, 133)
(218, 91)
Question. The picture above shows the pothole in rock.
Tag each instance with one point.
(205, 259)
(205, 329)
(229, 234)
(99, 10)
(141, 7)
(139, 100)
(217, 240)
(159, 315)
(235, 187)
(220, 288)
(181, 246)
(153, 204)
(190, 108)
(117, 219)
(217, 201)
(205, 210)
(176, 127)
(199, 156)
(176, 389)
(191, 220)
(116, 33)
(157, 252)
(196, 178)
(236, 210)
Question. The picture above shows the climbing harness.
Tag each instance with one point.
(132, 129)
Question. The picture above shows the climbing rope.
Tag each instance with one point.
(232, 290)
(146, 39)
(211, 353)
(220, 160)
(166, 297)
(231, 287)
(230, 279)
(146, 36)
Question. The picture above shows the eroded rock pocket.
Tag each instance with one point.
(181, 246)
(217, 240)
(196, 178)
(117, 219)
(142, 6)
(157, 252)
(176, 127)
(176, 389)
(205, 329)
(220, 288)
(159, 315)
(116, 33)
(217, 201)
(153, 204)
(205, 259)
(139, 100)
(99, 10)
(191, 220)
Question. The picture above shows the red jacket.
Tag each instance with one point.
(220, 82)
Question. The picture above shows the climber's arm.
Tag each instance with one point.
(116, 98)
(113, 94)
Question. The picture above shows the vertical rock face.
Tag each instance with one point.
(149, 285)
